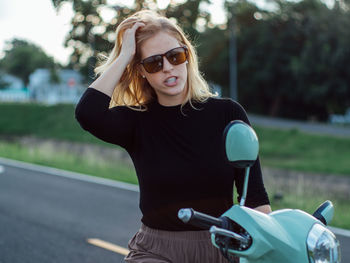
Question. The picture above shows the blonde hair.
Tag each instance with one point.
(133, 89)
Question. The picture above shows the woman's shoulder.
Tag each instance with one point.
(222, 102)
(230, 107)
(218, 99)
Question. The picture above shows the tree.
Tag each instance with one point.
(213, 56)
(293, 61)
(23, 58)
(3, 84)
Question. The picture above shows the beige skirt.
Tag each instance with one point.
(159, 246)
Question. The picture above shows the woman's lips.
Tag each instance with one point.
(171, 81)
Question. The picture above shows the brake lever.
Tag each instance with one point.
(223, 232)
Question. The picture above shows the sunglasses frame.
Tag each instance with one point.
(165, 55)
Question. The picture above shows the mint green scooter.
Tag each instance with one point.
(283, 236)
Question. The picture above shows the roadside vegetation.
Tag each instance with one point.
(295, 150)
(291, 150)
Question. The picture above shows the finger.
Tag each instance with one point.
(137, 25)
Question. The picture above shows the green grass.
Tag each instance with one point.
(289, 149)
(310, 202)
(294, 150)
(81, 163)
(42, 121)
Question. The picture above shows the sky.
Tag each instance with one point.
(36, 21)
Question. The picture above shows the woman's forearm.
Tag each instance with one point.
(108, 80)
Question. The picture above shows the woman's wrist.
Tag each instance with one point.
(109, 79)
(123, 60)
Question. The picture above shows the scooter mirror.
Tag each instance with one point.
(241, 144)
(325, 212)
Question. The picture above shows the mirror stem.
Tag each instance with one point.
(245, 186)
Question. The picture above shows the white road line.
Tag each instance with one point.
(101, 181)
(2, 169)
(108, 246)
(67, 174)
(340, 231)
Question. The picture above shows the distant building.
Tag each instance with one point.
(41, 89)
(14, 90)
(68, 90)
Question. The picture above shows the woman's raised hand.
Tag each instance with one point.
(108, 80)
(128, 48)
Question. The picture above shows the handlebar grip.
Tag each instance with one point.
(188, 215)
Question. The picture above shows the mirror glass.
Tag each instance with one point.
(241, 144)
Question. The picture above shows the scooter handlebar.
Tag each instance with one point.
(189, 216)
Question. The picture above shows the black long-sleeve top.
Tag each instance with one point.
(178, 155)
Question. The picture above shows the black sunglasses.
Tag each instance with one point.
(175, 56)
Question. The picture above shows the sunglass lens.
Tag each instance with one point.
(176, 56)
(153, 64)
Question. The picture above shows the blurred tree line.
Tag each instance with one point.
(22, 59)
(292, 60)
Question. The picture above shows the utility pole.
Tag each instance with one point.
(233, 59)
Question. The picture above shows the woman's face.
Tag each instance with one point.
(170, 82)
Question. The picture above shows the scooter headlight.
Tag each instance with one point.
(322, 245)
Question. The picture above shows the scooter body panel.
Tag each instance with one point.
(277, 237)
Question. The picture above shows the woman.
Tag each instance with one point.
(151, 99)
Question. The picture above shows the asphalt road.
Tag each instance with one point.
(49, 218)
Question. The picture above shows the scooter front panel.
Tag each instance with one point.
(277, 237)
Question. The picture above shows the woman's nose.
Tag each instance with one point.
(167, 65)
